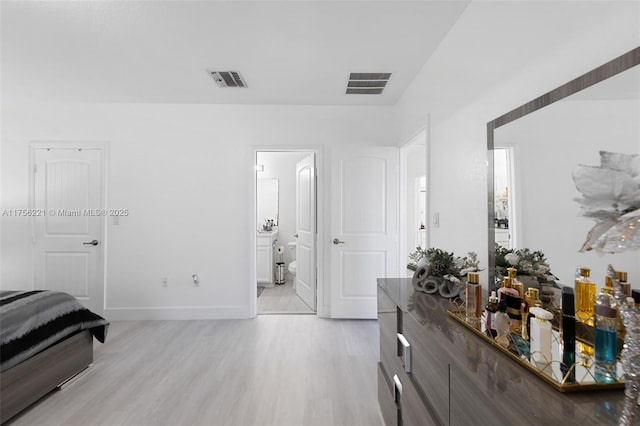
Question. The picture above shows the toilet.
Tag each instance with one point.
(292, 265)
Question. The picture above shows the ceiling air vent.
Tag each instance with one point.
(367, 83)
(228, 78)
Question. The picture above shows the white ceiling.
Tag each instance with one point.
(289, 52)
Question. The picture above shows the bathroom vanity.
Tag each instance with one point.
(265, 247)
(450, 376)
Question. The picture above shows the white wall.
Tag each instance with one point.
(186, 174)
(468, 82)
(282, 166)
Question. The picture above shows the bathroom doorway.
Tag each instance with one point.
(286, 253)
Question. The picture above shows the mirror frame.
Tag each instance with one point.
(601, 73)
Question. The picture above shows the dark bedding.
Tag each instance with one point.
(31, 321)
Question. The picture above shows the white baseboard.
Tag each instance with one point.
(177, 313)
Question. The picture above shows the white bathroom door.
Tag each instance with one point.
(306, 230)
(364, 187)
(68, 238)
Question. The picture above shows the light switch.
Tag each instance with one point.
(436, 220)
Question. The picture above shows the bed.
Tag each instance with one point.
(46, 338)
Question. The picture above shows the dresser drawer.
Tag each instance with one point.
(413, 408)
(429, 366)
(390, 323)
(388, 407)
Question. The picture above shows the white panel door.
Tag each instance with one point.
(68, 190)
(306, 230)
(364, 184)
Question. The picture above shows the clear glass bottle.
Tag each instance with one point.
(585, 296)
(605, 341)
(473, 298)
(501, 324)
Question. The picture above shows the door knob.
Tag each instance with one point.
(295, 235)
(93, 243)
(337, 241)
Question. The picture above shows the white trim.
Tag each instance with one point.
(323, 307)
(177, 313)
(253, 274)
(104, 148)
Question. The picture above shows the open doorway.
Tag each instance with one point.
(414, 213)
(504, 216)
(286, 253)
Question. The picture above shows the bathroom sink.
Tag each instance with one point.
(272, 233)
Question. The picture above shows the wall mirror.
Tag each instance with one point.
(547, 139)
(267, 202)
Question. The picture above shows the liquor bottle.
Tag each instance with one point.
(585, 296)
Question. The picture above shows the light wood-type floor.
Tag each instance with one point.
(273, 370)
(281, 299)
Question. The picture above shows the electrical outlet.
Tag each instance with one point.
(196, 280)
(436, 220)
(165, 282)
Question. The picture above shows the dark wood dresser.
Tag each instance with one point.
(450, 376)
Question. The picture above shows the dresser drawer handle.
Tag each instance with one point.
(397, 388)
(404, 350)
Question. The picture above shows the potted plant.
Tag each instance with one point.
(440, 271)
(532, 266)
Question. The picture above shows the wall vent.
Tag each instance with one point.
(228, 78)
(367, 83)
